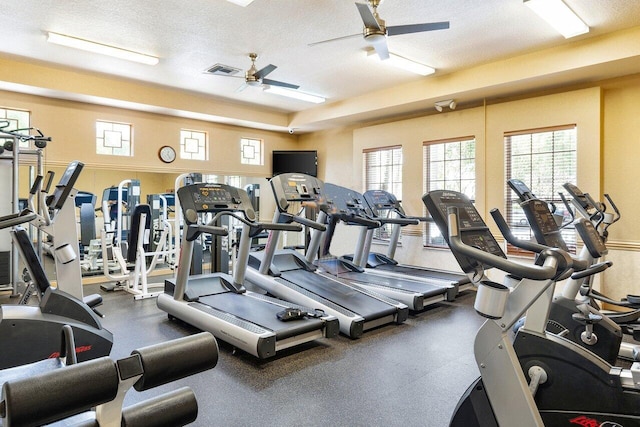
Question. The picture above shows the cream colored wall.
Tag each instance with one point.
(72, 127)
(621, 137)
(488, 125)
(335, 153)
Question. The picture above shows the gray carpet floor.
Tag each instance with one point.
(397, 375)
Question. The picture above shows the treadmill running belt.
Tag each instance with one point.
(412, 271)
(367, 307)
(261, 313)
(428, 290)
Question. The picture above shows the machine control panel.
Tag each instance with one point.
(577, 195)
(345, 200)
(214, 198)
(296, 187)
(521, 189)
(473, 230)
(543, 224)
(380, 199)
(591, 238)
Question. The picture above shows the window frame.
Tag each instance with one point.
(205, 145)
(5, 110)
(383, 234)
(511, 200)
(103, 137)
(260, 161)
(427, 181)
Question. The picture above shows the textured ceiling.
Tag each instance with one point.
(189, 36)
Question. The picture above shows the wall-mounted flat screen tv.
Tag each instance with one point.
(300, 161)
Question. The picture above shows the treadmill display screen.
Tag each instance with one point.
(215, 198)
(379, 199)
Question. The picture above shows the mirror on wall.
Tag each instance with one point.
(97, 206)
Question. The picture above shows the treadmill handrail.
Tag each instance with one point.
(258, 226)
(302, 221)
(351, 217)
(534, 272)
(195, 230)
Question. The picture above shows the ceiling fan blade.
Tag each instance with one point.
(367, 16)
(242, 87)
(281, 84)
(416, 28)
(381, 49)
(337, 38)
(263, 72)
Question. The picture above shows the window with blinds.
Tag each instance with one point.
(448, 165)
(543, 159)
(382, 170)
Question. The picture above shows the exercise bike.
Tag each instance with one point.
(32, 333)
(534, 378)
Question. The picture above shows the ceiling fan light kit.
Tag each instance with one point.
(559, 16)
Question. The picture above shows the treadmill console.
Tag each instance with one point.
(214, 198)
(346, 201)
(543, 224)
(473, 230)
(381, 200)
(296, 187)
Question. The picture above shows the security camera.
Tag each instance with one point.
(291, 130)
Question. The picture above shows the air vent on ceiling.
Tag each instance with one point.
(222, 70)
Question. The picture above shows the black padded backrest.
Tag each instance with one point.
(28, 253)
(138, 211)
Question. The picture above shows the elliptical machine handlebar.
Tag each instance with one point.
(576, 263)
(12, 220)
(556, 262)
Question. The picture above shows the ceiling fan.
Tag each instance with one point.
(255, 77)
(375, 31)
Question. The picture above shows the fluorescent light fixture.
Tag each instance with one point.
(294, 94)
(100, 48)
(243, 3)
(559, 16)
(403, 63)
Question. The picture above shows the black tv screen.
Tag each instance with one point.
(302, 161)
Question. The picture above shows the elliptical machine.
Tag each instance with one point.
(571, 315)
(536, 378)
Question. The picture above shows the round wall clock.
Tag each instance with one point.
(167, 154)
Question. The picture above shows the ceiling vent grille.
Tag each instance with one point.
(222, 70)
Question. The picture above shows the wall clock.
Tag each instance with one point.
(167, 154)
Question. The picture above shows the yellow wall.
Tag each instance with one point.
(606, 116)
(72, 127)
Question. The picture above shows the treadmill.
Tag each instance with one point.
(289, 275)
(385, 205)
(349, 207)
(218, 302)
